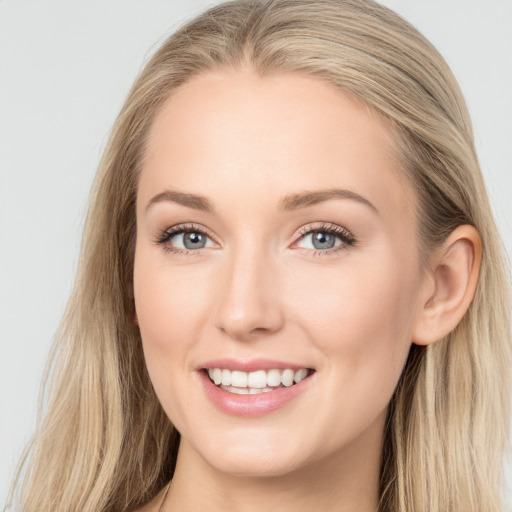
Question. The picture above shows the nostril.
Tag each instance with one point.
(249, 309)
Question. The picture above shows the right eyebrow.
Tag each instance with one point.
(194, 201)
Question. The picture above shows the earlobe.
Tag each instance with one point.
(453, 278)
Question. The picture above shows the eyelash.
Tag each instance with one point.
(346, 237)
(166, 235)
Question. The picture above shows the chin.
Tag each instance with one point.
(268, 458)
(262, 465)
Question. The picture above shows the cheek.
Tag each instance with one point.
(361, 318)
(352, 304)
(168, 307)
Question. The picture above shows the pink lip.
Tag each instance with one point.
(250, 366)
(251, 405)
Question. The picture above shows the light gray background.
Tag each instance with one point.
(65, 68)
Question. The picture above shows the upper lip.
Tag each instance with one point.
(250, 365)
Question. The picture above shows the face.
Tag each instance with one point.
(276, 272)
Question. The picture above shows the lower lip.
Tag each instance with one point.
(251, 405)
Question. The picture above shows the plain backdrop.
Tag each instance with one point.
(65, 68)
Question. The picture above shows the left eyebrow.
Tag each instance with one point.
(310, 198)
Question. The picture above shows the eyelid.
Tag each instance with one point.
(341, 232)
(345, 235)
(165, 235)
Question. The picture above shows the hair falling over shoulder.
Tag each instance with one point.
(104, 444)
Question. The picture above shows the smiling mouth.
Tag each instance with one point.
(256, 382)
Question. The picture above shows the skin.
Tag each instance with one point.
(261, 289)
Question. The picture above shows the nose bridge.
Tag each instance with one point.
(248, 301)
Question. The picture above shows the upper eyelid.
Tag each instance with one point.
(181, 228)
(308, 228)
(328, 226)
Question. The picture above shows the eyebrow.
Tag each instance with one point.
(290, 202)
(305, 199)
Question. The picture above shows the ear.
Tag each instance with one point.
(449, 285)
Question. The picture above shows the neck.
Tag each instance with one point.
(346, 481)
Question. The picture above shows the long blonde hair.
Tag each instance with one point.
(104, 443)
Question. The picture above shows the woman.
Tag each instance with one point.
(290, 260)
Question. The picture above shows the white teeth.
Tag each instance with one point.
(226, 378)
(287, 377)
(246, 391)
(300, 375)
(217, 376)
(255, 382)
(236, 390)
(241, 391)
(274, 377)
(257, 379)
(238, 379)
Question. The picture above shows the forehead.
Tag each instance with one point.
(232, 133)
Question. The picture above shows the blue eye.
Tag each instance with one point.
(322, 240)
(184, 239)
(189, 240)
(325, 238)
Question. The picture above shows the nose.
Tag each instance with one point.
(249, 304)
